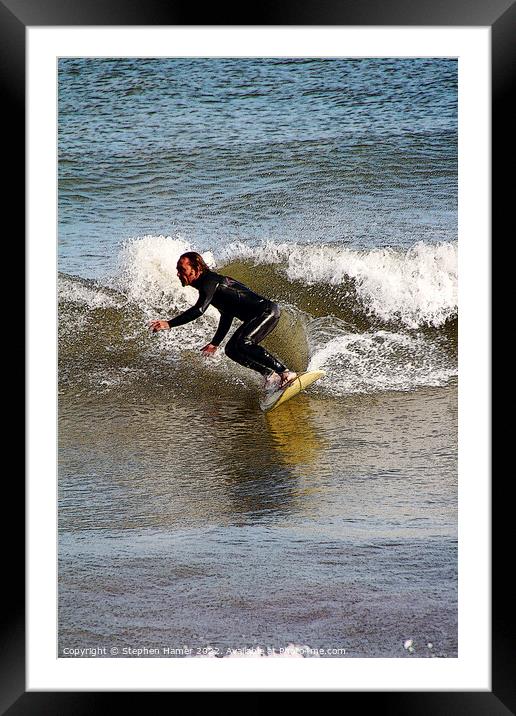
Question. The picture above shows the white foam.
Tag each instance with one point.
(416, 287)
(380, 361)
(80, 293)
(148, 273)
(148, 277)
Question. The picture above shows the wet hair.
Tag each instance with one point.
(196, 261)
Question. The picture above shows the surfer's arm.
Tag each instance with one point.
(206, 292)
(189, 315)
(226, 319)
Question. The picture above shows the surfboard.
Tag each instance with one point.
(303, 380)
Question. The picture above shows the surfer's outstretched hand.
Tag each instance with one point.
(209, 350)
(155, 326)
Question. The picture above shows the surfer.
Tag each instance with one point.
(259, 317)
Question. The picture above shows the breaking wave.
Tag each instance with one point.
(375, 320)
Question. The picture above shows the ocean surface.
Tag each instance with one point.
(191, 523)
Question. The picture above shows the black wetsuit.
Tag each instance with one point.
(234, 300)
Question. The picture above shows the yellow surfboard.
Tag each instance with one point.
(300, 383)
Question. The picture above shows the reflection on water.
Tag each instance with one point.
(217, 459)
(310, 523)
(293, 432)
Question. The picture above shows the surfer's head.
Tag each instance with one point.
(190, 266)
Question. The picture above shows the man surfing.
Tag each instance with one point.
(259, 317)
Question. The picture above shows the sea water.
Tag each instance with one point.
(190, 523)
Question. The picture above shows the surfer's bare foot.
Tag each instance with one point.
(287, 377)
(272, 382)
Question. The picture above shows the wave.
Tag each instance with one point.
(416, 287)
(375, 320)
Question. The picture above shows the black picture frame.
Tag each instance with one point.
(500, 16)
